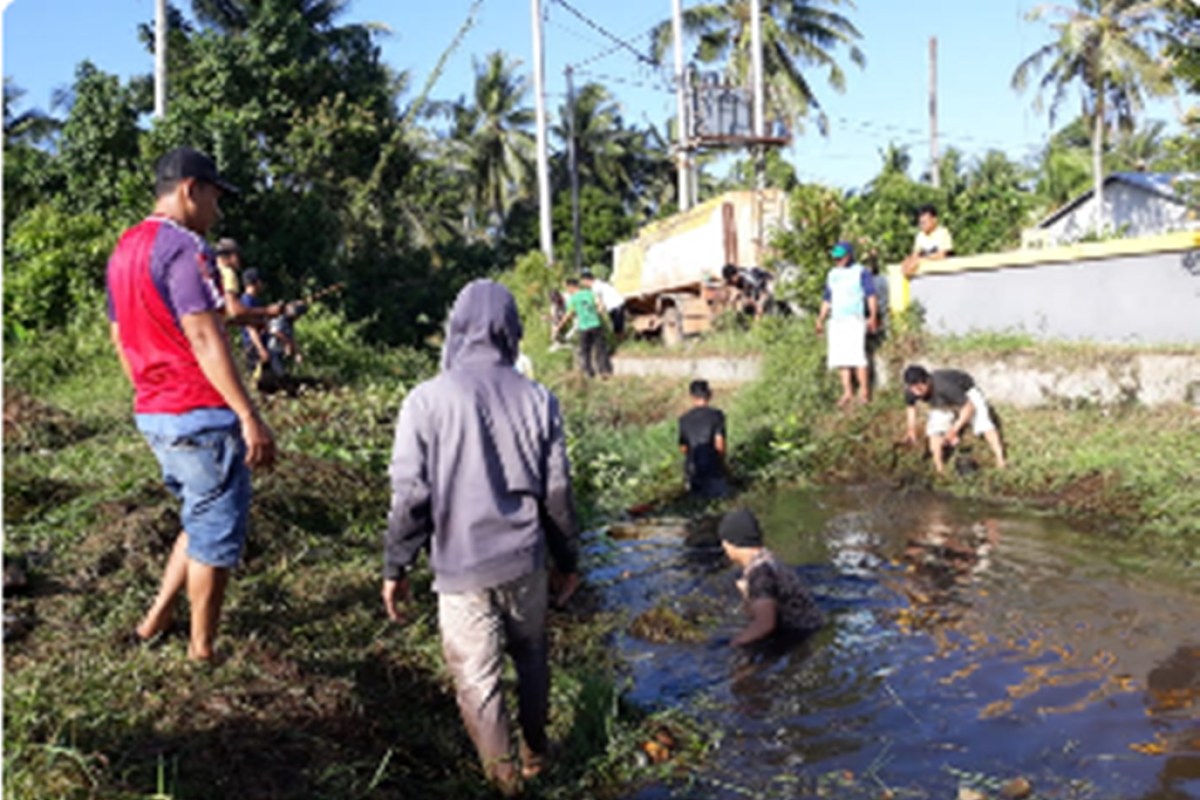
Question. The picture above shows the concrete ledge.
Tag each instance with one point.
(1149, 379)
(1022, 380)
(716, 369)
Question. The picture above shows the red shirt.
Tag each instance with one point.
(160, 272)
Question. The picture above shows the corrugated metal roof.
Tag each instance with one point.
(1162, 184)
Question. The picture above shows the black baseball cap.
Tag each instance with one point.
(251, 276)
(740, 528)
(186, 162)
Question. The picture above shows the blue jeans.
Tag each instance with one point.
(203, 460)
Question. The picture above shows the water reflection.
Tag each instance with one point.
(962, 642)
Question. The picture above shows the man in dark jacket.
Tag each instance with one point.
(479, 470)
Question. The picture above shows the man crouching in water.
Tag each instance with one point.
(777, 601)
(480, 467)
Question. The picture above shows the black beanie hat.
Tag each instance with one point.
(740, 529)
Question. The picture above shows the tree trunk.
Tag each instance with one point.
(1097, 163)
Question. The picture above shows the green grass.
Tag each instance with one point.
(321, 696)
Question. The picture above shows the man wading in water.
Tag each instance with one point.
(776, 600)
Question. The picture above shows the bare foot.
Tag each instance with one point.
(845, 400)
(532, 764)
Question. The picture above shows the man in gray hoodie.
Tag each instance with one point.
(479, 471)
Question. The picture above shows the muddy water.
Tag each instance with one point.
(966, 647)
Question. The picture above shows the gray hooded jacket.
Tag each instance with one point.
(479, 463)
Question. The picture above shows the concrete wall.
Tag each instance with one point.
(1128, 209)
(1137, 298)
(1019, 379)
(1027, 381)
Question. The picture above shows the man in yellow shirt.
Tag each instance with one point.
(932, 244)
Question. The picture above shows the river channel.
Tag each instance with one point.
(967, 646)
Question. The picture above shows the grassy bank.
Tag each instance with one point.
(1130, 471)
(320, 696)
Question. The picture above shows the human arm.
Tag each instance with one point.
(823, 315)
(868, 290)
(256, 340)
(964, 416)
(238, 313)
(559, 520)
(719, 439)
(206, 335)
(567, 316)
(114, 333)
(763, 617)
(410, 520)
(910, 435)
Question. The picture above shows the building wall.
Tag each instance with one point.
(1143, 298)
(1128, 210)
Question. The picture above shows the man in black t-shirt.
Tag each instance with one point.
(954, 401)
(702, 440)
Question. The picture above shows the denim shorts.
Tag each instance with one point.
(203, 460)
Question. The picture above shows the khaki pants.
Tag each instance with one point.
(478, 628)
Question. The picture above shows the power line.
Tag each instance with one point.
(607, 34)
(626, 81)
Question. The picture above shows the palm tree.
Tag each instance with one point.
(603, 145)
(27, 127)
(1112, 49)
(797, 35)
(495, 130)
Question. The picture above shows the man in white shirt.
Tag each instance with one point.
(933, 241)
(609, 299)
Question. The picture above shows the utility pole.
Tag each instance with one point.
(573, 168)
(160, 59)
(685, 200)
(760, 109)
(935, 171)
(543, 160)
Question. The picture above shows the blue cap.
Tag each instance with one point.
(841, 250)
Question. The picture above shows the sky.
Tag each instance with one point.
(980, 42)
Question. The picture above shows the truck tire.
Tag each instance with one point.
(672, 326)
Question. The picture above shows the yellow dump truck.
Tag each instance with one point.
(670, 275)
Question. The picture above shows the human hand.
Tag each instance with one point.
(872, 325)
(952, 437)
(274, 310)
(263, 355)
(393, 589)
(910, 436)
(260, 442)
(563, 587)
(820, 327)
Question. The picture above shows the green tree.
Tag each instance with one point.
(1111, 49)
(605, 150)
(798, 36)
(30, 174)
(99, 150)
(603, 222)
(499, 146)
